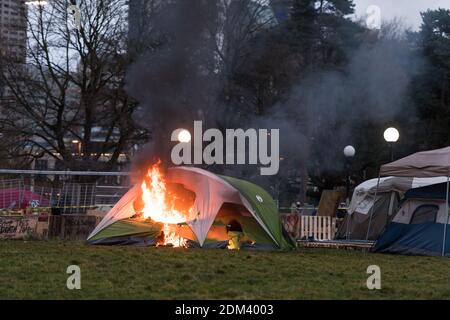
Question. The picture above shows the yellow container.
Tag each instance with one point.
(234, 242)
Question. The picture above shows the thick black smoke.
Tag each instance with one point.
(172, 80)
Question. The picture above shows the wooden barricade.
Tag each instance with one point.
(72, 227)
(317, 227)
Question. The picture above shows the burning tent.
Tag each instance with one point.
(192, 207)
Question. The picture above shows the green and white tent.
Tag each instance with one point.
(218, 202)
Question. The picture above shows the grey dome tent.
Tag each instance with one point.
(218, 202)
(390, 192)
(412, 237)
(417, 226)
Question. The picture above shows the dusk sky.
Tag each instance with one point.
(408, 10)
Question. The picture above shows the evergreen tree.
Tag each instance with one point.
(432, 87)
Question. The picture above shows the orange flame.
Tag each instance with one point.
(159, 205)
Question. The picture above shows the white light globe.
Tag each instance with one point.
(349, 151)
(391, 135)
(184, 136)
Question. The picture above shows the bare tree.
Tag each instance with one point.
(248, 48)
(240, 21)
(68, 100)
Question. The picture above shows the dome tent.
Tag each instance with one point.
(416, 228)
(414, 237)
(218, 200)
(389, 194)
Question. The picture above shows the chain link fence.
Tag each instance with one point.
(62, 195)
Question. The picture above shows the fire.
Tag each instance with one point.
(159, 206)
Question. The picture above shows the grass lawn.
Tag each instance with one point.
(37, 270)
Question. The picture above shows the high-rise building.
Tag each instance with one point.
(13, 28)
(13, 35)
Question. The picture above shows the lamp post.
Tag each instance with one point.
(349, 153)
(184, 136)
(391, 135)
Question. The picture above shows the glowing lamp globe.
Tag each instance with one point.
(184, 136)
(391, 135)
(349, 151)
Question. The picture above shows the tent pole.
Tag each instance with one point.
(373, 206)
(348, 222)
(447, 215)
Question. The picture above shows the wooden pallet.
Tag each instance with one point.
(337, 244)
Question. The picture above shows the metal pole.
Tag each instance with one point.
(52, 201)
(348, 182)
(21, 190)
(4, 195)
(446, 212)
(373, 206)
(391, 150)
(40, 197)
(78, 195)
(391, 208)
(348, 197)
(86, 196)
(94, 193)
(64, 194)
(348, 222)
(63, 173)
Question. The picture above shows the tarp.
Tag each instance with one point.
(15, 198)
(435, 191)
(364, 193)
(125, 232)
(122, 210)
(355, 225)
(413, 239)
(432, 163)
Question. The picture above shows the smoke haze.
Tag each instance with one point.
(175, 85)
